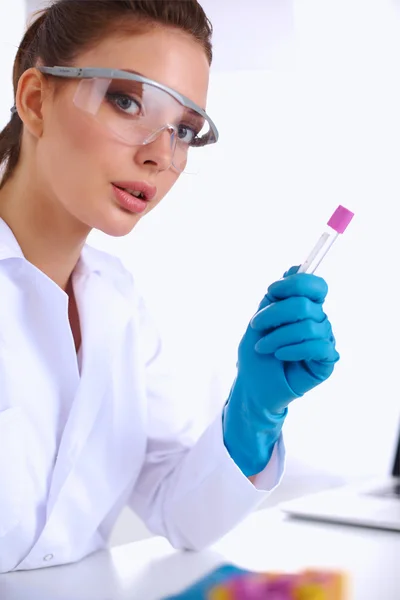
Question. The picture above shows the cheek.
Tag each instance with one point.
(74, 152)
(165, 182)
(167, 179)
(80, 160)
(82, 140)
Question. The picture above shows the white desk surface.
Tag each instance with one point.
(267, 540)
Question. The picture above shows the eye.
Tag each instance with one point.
(186, 134)
(124, 103)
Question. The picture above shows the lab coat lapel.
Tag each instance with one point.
(104, 314)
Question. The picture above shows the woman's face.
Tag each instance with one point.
(78, 160)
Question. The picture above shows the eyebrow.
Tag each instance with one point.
(142, 75)
(132, 71)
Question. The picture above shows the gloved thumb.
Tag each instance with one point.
(292, 271)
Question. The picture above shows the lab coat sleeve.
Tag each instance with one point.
(190, 490)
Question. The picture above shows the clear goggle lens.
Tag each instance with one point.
(138, 113)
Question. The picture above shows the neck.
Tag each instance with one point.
(50, 238)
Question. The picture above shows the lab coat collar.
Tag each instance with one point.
(90, 261)
(9, 247)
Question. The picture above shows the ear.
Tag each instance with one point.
(32, 90)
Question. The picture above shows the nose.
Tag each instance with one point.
(159, 150)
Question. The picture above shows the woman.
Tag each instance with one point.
(109, 98)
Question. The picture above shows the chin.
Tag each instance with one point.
(118, 226)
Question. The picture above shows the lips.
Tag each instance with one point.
(147, 192)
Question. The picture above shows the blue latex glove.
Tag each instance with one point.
(200, 589)
(287, 350)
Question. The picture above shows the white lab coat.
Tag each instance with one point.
(77, 445)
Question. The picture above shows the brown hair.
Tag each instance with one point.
(67, 27)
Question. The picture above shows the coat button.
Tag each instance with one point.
(48, 557)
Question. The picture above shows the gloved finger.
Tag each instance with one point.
(291, 271)
(300, 284)
(290, 310)
(267, 301)
(318, 350)
(295, 333)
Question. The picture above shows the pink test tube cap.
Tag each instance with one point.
(340, 219)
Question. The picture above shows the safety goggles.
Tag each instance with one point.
(137, 110)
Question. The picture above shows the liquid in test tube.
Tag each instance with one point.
(336, 225)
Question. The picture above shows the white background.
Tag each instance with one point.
(306, 96)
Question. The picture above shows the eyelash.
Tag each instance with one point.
(113, 96)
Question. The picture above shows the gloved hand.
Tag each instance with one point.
(287, 350)
(201, 589)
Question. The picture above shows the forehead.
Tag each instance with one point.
(168, 56)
